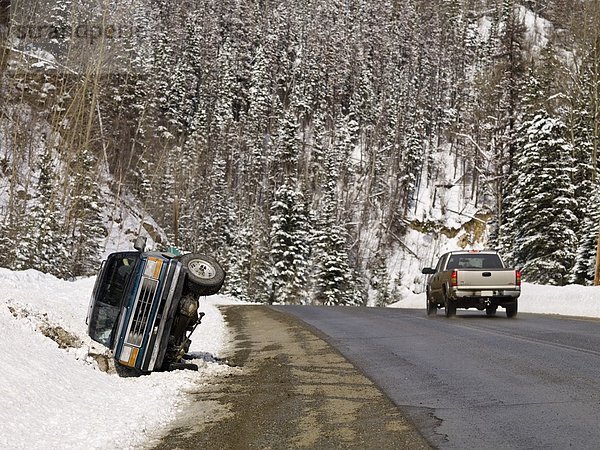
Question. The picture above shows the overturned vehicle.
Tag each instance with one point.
(144, 306)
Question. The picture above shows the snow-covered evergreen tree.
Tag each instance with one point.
(379, 280)
(287, 150)
(258, 127)
(225, 95)
(59, 21)
(584, 125)
(258, 274)
(15, 238)
(218, 217)
(411, 167)
(585, 260)
(289, 246)
(334, 281)
(50, 253)
(240, 260)
(86, 224)
(541, 216)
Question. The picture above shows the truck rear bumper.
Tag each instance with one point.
(481, 298)
(482, 293)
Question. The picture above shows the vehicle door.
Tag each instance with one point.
(436, 282)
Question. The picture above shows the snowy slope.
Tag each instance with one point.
(55, 398)
(444, 218)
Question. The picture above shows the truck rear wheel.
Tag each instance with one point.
(205, 275)
(511, 310)
(449, 306)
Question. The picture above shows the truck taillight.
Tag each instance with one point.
(454, 278)
(518, 278)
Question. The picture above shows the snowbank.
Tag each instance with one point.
(572, 300)
(58, 398)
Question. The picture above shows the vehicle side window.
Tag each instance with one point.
(117, 276)
(453, 262)
(439, 264)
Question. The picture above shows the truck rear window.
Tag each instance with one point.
(474, 261)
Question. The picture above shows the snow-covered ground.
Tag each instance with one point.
(53, 398)
(58, 398)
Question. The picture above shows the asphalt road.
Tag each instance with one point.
(475, 381)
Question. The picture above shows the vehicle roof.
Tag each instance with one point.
(471, 252)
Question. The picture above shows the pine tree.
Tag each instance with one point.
(584, 124)
(287, 149)
(501, 93)
(240, 256)
(380, 283)
(17, 239)
(61, 22)
(86, 224)
(585, 260)
(259, 267)
(334, 282)
(411, 161)
(289, 246)
(542, 215)
(47, 238)
(259, 122)
(218, 218)
(226, 96)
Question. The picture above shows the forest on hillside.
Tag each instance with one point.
(292, 138)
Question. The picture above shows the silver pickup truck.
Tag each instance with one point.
(472, 279)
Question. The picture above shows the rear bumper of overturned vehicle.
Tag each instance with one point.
(482, 297)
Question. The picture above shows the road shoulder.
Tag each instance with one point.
(293, 390)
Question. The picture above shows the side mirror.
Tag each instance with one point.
(140, 244)
(428, 271)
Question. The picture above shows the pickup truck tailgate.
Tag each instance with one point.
(494, 279)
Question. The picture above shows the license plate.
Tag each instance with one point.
(487, 293)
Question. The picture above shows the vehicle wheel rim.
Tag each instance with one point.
(202, 269)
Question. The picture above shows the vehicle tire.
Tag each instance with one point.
(491, 311)
(431, 306)
(205, 276)
(511, 310)
(450, 309)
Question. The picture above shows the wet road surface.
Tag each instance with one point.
(475, 381)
